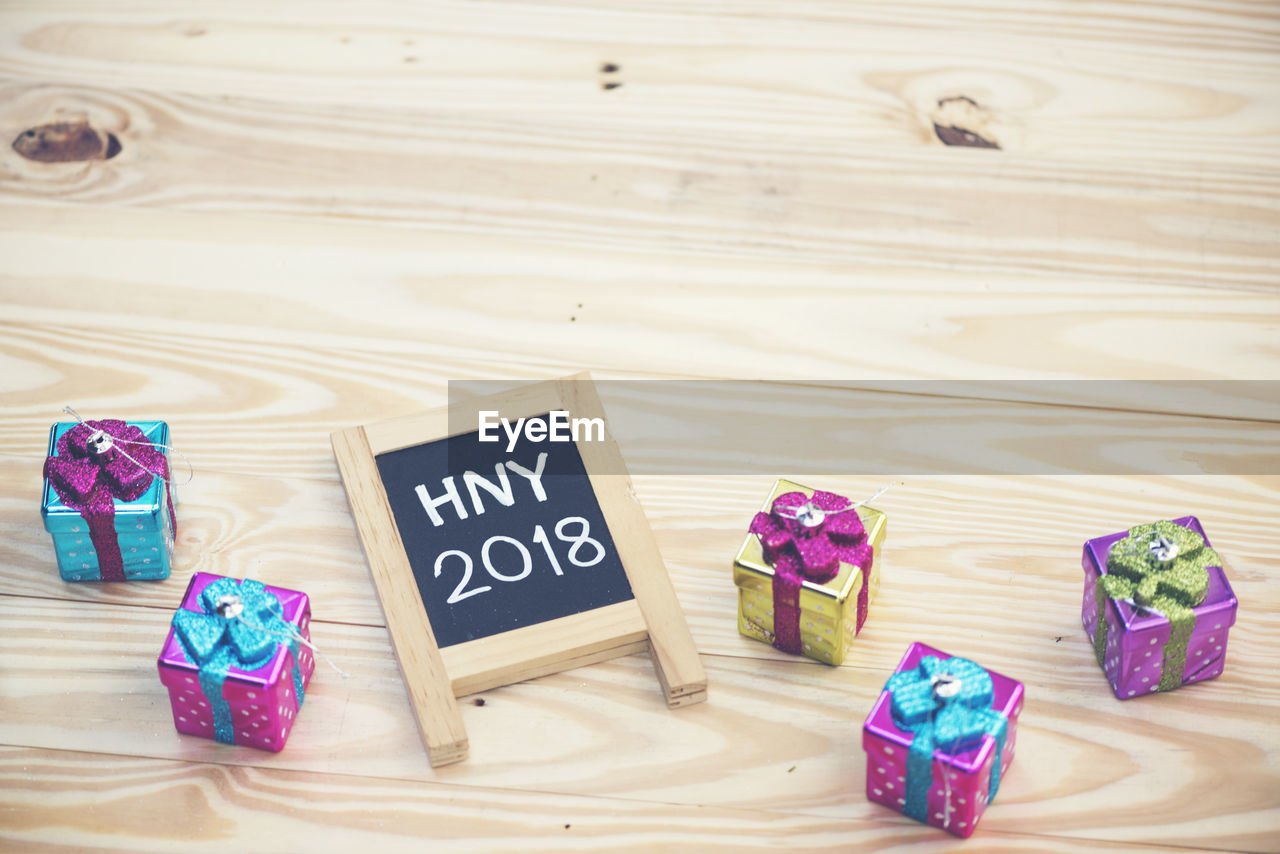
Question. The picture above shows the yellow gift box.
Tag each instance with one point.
(828, 611)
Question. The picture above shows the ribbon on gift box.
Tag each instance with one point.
(89, 473)
(807, 538)
(242, 626)
(1161, 568)
(947, 706)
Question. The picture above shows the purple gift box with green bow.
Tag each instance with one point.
(1157, 606)
(236, 661)
(940, 738)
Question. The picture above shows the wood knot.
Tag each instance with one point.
(960, 120)
(609, 70)
(66, 142)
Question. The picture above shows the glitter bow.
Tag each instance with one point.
(947, 706)
(1161, 568)
(89, 473)
(242, 626)
(807, 538)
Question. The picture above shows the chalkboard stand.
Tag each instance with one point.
(433, 676)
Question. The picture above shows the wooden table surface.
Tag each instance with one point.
(322, 212)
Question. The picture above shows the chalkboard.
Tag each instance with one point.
(498, 563)
(508, 539)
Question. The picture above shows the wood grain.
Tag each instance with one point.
(1070, 713)
(1087, 763)
(1109, 84)
(107, 803)
(203, 379)
(845, 206)
(323, 213)
(698, 318)
(301, 536)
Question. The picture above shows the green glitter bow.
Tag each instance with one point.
(1160, 567)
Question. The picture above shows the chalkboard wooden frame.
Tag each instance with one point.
(434, 677)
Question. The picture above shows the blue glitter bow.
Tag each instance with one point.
(218, 640)
(946, 705)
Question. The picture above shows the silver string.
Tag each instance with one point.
(191, 471)
(946, 787)
(1133, 545)
(794, 512)
(1132, 548)
(293, 635)
(946, 773)
(1135, 606)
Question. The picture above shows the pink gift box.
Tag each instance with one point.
(255, 707)
(957, 788)
(1135, 642)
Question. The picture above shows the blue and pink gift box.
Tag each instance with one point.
(940, 738)
(234, 662)
(110, 516)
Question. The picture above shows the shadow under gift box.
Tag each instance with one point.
(828, 611)
(1136, 639)
(959, 783)
(143, 527)
(263, 702)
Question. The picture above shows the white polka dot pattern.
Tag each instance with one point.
(968, 792)
(1134, 661)
(264, 713)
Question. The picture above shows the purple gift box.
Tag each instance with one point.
(1134, 657)
(957, 785)
(233, 664)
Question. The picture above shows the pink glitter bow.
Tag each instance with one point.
(89, 477)
(806, 539)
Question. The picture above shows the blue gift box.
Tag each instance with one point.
(144, 530)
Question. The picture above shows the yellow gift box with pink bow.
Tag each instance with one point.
(808, 571)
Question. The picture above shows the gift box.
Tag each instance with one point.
(235, 663)
(940, 738)
(808, 571)
(1157, 606)
(107, 500)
